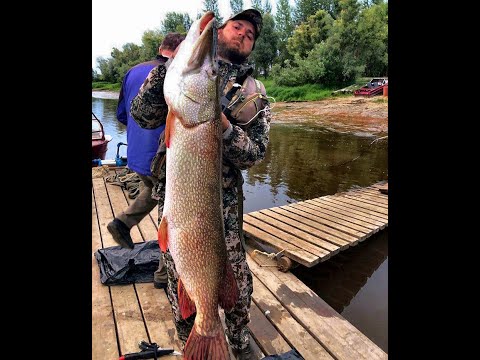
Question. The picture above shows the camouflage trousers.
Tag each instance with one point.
(238, 318)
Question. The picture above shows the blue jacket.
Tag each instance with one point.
(142, 144)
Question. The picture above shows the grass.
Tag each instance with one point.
(307, 92)
(103, 85)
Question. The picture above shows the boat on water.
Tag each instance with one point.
(100, 140)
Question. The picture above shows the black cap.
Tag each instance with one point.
(252, 15)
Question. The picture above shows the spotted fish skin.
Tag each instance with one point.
(192, 224)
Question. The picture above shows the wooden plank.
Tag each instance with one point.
(380, 185)
(355, 209)
(342, 327)
(383, 188)
(367, 200)
(128, 316)
(293, 332)
(278, 215)
(294, 252)
(328, 210)
(265, 334)
(350, 213)
(104, 211)
(311, 209)
(350, 200)
(104, 347)
(312, 220)
(295, 232)
(154, 215)
(374, 193)
(158, 316)
(328, 327)
(130, 325)
(286, 237)
(319, 212)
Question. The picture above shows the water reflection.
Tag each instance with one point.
(355, 283)
(304, 162)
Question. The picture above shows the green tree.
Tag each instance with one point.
(342, 55)
(212, 5)
(151, 40)
(311, 32)
(176, 22)
(284, 27)
(236, 6)
(257, 4)
(130, 55)
(95, 75)
(373, 39)
(306, 8)
(267, 7)
(106, 67)
(265, 47)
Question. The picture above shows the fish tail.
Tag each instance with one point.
(200, 347)
(185, 303)
(228, 295)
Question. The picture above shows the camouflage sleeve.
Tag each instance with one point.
(247, 148)
(148, 107)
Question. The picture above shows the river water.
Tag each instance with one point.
(305, 162)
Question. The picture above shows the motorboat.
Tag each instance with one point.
(99, 139)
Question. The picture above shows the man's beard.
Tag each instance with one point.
(227, 52)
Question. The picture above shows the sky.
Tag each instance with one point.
(117, 22)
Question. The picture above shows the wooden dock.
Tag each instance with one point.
(312, 231)
(285, 313)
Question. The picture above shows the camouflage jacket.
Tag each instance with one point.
(242, 148)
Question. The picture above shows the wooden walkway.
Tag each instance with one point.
(312, 231)
(285, 313)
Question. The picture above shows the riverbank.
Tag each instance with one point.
(348, 114)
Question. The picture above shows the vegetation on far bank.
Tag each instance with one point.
(304, 52)
(307, 92)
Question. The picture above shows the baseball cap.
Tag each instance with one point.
(252, 15)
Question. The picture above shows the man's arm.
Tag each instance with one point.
(247, 148)
(148, 107)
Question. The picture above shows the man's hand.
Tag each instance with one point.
(225, 122)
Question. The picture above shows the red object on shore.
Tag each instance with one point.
(99, 139)
(373, 87)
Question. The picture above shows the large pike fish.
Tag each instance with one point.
(192, 223)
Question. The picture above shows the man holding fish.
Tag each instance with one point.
(218, 124)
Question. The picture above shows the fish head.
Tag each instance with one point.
(191, 86)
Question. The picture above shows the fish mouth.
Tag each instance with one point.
(206, 43)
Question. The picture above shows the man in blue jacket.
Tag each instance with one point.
(142, 147)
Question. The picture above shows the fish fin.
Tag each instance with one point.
(200, 347)
(163, 234)
(187, 306)
(229, 296)
(169, 127)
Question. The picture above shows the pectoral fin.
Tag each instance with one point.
(169, 127)
(163, 235)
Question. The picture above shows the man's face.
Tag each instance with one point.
(235, 40)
